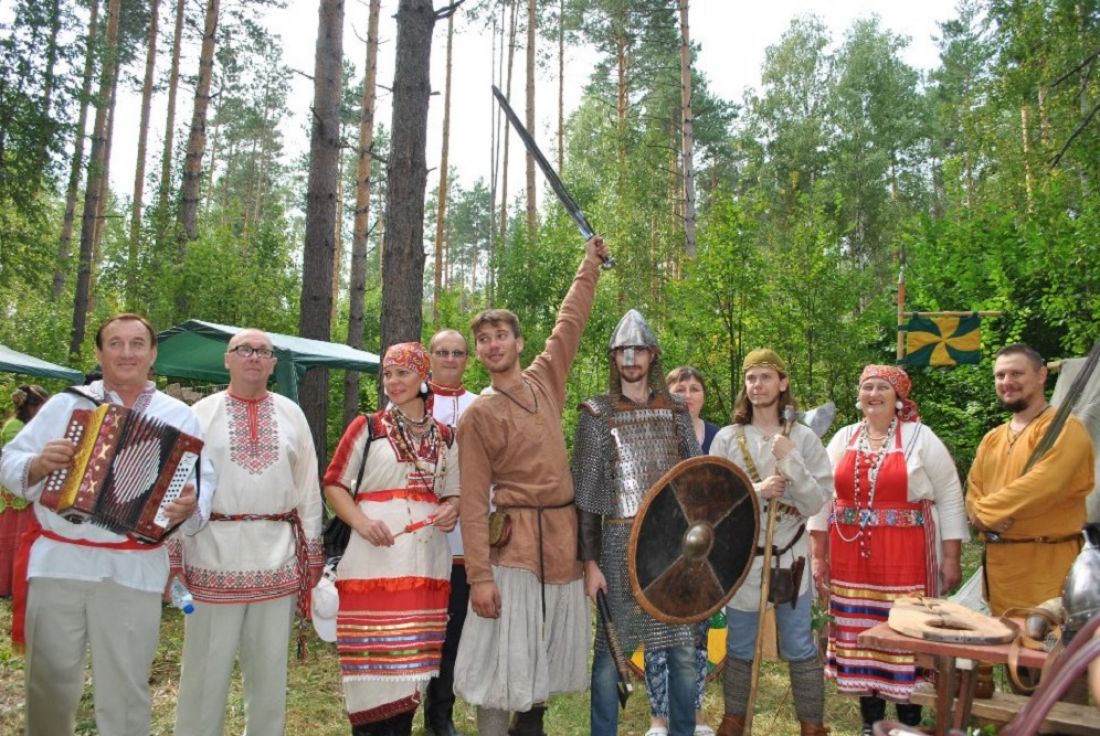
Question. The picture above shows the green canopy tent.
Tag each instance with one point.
(196, 349)
(13, 361)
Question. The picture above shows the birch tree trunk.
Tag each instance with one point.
(357, 279)
(65, 241)
(96, 166)
(314, 319)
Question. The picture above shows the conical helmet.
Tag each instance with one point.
(632, 332)
(1081, 592)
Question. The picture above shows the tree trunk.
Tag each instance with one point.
(357, 279)
(1025, 135)
(512, 23)
(170, 118)
(65, 241)
(441, 205)
(324, 170)
(196, 141)
(337, 244)
(407, 175)
(139, 173)
(96, 167)
(687, 134)
(561, 87)
(532, 204)
(49, 75)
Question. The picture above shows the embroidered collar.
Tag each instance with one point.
(243, 400)
(439, 390)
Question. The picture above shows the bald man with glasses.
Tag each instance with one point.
(449, 356)
(259, 554)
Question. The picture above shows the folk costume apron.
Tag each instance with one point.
(877, 553)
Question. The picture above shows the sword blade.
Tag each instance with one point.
(552, 177)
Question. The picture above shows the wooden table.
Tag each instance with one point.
(951, 661)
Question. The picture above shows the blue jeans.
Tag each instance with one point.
(681, 686)
(796, 638)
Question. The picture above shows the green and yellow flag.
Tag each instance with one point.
(943, 340)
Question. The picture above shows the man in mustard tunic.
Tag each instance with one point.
(1030, 519)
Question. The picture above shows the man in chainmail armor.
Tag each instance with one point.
(625, 441)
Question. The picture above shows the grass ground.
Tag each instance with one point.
(315, 703)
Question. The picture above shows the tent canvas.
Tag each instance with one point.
(1088, 411)
(13, 361)
(196, 349)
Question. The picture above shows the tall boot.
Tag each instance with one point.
(439, 706)
(492, 722)
(871, 709)
(909, 713)
(807, 728)
(528, 723)
(736, 680)
(731, 725)
(808, 681)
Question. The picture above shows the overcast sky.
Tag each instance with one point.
(732, 35)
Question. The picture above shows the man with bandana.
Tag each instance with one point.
(788, 466)
(626, 439)
(260, 552)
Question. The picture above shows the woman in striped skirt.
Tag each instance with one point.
(894, 529)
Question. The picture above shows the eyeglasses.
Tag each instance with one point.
(247, 351)
(444, 354)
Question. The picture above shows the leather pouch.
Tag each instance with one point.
(500, 528)
(786, 582)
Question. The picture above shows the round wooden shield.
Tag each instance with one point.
(693, 540)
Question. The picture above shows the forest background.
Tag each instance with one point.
(778, 219)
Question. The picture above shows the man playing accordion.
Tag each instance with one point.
(84, 585)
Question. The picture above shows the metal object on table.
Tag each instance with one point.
(693, 540)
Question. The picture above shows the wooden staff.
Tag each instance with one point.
(765, 588)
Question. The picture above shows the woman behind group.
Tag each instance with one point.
(15, 513)
(687, 383)
(894, 529)
(394, 480)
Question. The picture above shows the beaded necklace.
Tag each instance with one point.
(408, 440)
(863, 450)
(413, 433)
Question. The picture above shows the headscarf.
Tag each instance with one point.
(899, 381)
(410, 355)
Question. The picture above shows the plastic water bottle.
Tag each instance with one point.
(181, 596)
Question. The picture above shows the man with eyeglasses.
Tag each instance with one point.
(260, 552)
(449, 355)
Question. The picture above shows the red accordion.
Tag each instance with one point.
(126, 469)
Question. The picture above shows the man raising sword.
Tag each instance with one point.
(789, 467)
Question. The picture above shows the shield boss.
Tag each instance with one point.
(693, 540)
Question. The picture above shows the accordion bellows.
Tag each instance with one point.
(126, 469)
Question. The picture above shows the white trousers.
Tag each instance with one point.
(122, 626)
(213, 635)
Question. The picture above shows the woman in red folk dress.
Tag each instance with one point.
(894, 529)
(16, 514)
(394, 577)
